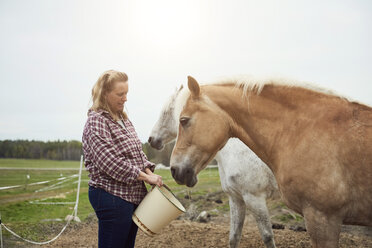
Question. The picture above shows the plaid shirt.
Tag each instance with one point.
(113, 156)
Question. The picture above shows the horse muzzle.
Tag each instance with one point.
(184, 176)
(156, 143)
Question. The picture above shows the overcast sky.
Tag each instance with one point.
(52, 52)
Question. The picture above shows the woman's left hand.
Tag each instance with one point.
(153, 178)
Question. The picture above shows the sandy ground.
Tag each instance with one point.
(191, 234)
(185, 232)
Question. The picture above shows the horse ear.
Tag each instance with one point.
(179, 89)
(193, 87)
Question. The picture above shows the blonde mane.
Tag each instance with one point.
(180, 101)
(254, 84)
(250, 83)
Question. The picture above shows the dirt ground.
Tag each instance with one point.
(186, 232)
(191, 234)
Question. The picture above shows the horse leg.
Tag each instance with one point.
(324, 230)
(237, 216)
(257, 205)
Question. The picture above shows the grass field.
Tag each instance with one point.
(29, 219)
(38, 163)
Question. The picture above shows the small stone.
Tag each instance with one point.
(69, 218)
(277, 226)
(191, 212)
(297, 228)
(203, 217)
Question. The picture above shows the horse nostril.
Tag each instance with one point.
(150, 139)
(189, 171)
(173, 171)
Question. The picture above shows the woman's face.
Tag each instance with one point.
(118, 96)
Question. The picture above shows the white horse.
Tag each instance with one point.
(244, 177)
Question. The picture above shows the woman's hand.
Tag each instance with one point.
(154, 179)
(150, 178)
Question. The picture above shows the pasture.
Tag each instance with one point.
(24, 209)
(33, 221)
(41, 222)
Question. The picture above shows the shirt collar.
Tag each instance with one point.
(103, 113)
(100, 112)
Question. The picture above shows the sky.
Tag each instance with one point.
(52, 53)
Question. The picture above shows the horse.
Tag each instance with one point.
(318, 145)
(247, 181)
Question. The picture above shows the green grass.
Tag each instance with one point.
(38, 163)
(28, 219)
(27, 212)
(26, 177)
(208, 181)
(286, 218)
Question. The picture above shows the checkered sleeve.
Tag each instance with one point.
(107, 157)
(147, 163)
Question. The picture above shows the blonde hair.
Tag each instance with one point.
(104, 85)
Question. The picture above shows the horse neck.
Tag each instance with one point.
(230, 155)
(228, 160)
(260, 120)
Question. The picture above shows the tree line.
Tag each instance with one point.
(54, 150)
(67, 150)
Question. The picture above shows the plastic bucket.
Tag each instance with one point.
(157, 209)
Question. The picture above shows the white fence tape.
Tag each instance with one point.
(39, 243)
(1, 234)
(51, 203)
(37, 183)
(65, 179)
(68, 218)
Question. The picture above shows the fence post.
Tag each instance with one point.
(78, 190)
(1, 233)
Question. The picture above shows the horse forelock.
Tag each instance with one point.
(165, 122)
(180, 101)
(168, 107)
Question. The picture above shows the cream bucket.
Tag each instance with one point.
(157, 209)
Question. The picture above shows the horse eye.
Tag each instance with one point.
(184, 121)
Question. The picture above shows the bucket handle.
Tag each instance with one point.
(164, 185)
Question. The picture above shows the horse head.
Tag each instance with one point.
(203, 130)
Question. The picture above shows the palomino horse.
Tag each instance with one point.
(244, 177)
(317, 144)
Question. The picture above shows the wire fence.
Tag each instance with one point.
(68, 218)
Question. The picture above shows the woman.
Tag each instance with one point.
(116, 163)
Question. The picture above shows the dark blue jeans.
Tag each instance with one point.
(115, 225)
